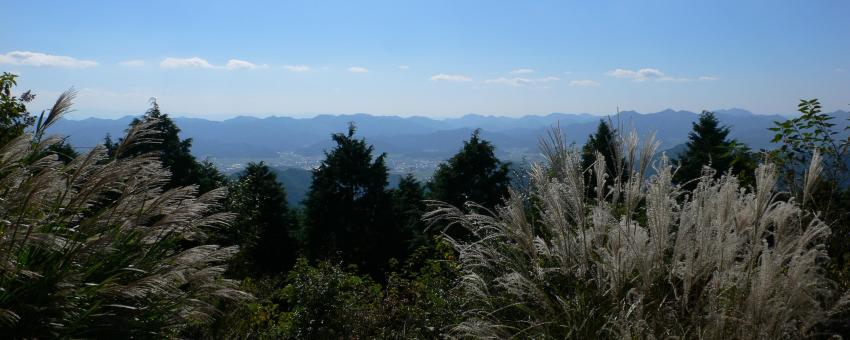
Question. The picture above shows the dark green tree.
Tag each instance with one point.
(473, 174)
(708, 145)
(174, 153)
(349, 211)
(14, 116)
(408, 204)
(264, 224)
(605, 142)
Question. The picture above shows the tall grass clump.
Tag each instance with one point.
(95, 248)
(643, 259)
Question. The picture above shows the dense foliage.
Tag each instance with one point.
(349, 211)
(264, 227)
(474, 174)
(14, 116)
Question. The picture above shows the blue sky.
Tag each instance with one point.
(434, 58)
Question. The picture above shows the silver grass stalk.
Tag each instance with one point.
(92, 245)
(717, 262)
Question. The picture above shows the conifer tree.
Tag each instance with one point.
(349, 211)
(603, 141)
(264, 224)
(708, 145)
(409, 205)
(175, 153)
(473, 174)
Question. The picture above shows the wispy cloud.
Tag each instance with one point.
(358, 69)
(653, 74)
(194, 62)
(840, 70)
(132, 63)
(27, 58)
(522, 71)
(198, 62)
(584, 83)
(297, 68)
(236, 64)
(520, 81)
(403, 67)
(450, 77)
(639, 75)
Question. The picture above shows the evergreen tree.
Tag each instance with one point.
(174, 153)
(349, 211)
(264, 223)
(708, 145)
(408, 202)
(473, 174)
(603, 141)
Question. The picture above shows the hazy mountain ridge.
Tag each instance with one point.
(418, 137)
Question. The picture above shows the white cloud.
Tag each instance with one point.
(236, 64)
(522, 71)
(403, 67)
(450, 77)
(647, 74)
(194, 62)
(639, 75)
(520, 81)
(358, 69)
(583, 83)
(40, 59)
(132, 63)
(840, 70)
(297, 68)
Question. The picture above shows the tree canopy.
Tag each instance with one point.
(349, 211)
(708, 145)
(264, 225)
(174, 153)
(604, 141)
(473, 174)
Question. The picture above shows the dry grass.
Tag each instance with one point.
(95, 248)
(644, 259)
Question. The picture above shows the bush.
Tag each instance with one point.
(328, 301)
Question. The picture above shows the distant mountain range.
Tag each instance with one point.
(414, 144)
(417, 137)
